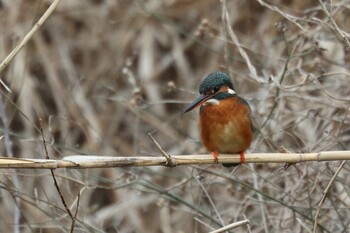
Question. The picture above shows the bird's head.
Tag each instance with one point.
(214, 87)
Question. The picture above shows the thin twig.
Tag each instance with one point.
(334, 25)
(226, 48)
(204, 223)
(210, 201)
(273, 108)
(325, 193)
(170, 161)
(289, 17)
(9, 152)
(261, 200)
(266, 196)
(232, 226)
(75, 214)
(27, 38)
(52, 172)
(234, 39)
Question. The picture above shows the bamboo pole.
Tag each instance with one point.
(95, 161)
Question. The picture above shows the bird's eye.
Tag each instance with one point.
(212, 91)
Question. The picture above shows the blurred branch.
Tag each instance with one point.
(210, 200)
(95, 161)
(27, 38)
(232, 226)
(289, 17)
(325, 193)
(9, 151)
(72, 226)
(340, 33)
(234, 39)
(73, 218)
(248, 186)
(290, 57)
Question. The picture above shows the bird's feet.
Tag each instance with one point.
(216, 158)
(215, 155)
(242, 157)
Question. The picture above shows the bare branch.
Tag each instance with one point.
(341, 34)
(27, 38)
(170, 161)
(96, 161)
(325, 192)
(53, 174)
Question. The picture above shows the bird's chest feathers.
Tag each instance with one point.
(224, 125)
(223, 113)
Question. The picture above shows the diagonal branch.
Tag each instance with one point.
(325, 193)
(171, 162)
(26, 39)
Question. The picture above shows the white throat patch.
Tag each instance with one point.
(212, 101)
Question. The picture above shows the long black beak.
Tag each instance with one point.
(197, 102)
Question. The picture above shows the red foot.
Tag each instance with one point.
(215, 155)
(242, 157)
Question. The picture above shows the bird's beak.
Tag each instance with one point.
(197, 102)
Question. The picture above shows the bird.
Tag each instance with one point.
(225, 118)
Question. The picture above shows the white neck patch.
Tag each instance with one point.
(230, 91)
(212, 101)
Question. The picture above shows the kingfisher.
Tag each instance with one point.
(225, 118)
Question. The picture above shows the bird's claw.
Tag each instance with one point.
(215, 155)
(242, 157)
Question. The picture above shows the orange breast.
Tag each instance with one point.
(226, 127)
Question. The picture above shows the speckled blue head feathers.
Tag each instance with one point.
(215, 80)
(215, 87)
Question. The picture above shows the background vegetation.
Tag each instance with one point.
(101, 74)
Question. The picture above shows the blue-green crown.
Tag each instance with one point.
(215, 80)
